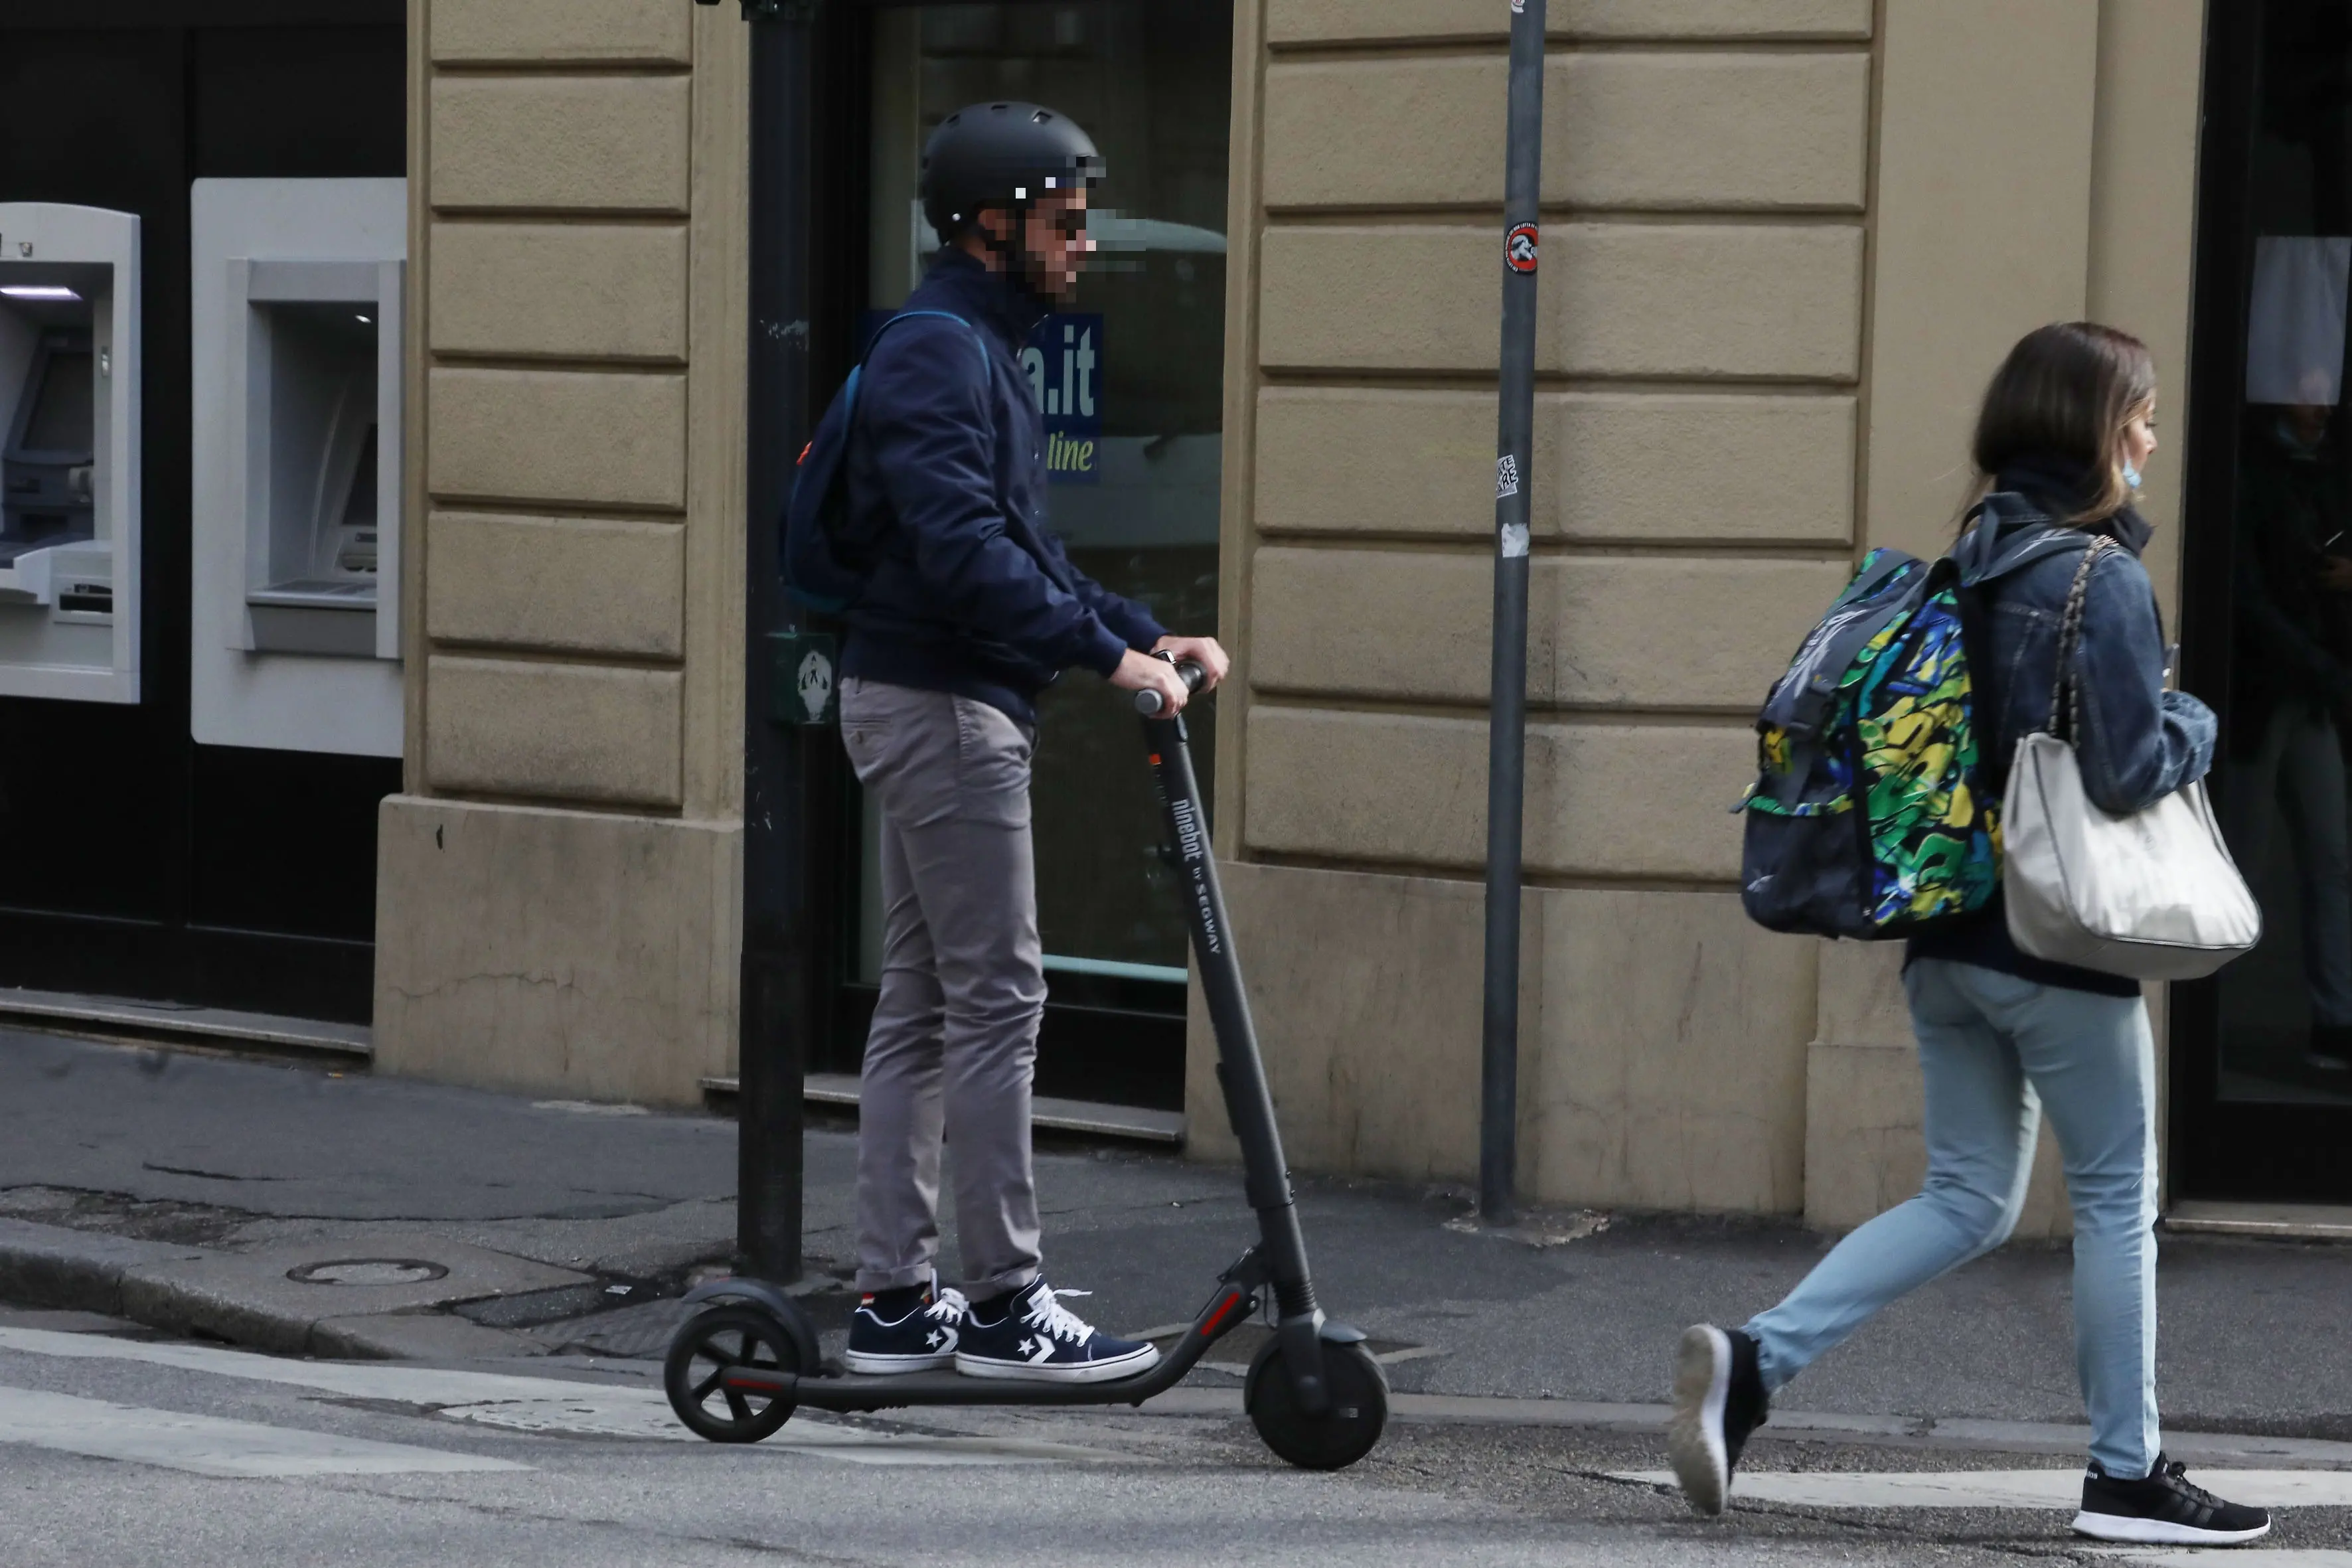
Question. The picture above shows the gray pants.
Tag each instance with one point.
(955, 1039)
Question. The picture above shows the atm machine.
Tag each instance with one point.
(69, 453)
(296, 317)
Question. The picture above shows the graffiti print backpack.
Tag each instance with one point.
(1876, 806)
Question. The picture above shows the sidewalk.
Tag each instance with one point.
(295, 1210)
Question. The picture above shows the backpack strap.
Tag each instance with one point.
(1801, 701)
(910, 315)
(849, 388)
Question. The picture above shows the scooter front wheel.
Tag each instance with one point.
(713, 1343)
(1341, 1435)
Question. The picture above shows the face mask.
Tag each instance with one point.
(2131, 473)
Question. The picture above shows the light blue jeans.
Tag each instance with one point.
(1996, 1051)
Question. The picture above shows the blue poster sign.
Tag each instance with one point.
(1064, 363)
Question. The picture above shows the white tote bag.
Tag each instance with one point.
(2150, 895)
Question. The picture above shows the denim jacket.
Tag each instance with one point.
(2138, 741)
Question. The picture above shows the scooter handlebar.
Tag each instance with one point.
(1148, 704)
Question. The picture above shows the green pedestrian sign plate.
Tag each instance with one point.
(806, 677)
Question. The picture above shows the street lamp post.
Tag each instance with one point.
(789, 782)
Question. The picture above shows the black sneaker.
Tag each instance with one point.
(2329, 1048)
(1039, 1338)
(2164, 1509)
(922, 1337)
(1719, 1399)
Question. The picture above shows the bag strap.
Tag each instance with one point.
(911, 315)
(1801, 701)
(851, 388)
(2066, 689)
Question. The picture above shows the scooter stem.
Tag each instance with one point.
(1241, 1071)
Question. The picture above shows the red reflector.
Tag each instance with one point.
(805, 452)
(1223, 1312)
(1155, 759)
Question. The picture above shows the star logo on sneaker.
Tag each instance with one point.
(935, 1339)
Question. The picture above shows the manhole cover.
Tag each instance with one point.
(368, 1271)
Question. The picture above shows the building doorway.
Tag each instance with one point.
(1131, 378)
(2261, 1061)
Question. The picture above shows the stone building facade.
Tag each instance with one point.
(1786, 242)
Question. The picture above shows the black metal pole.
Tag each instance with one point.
(1498, 1132)
(783, 998)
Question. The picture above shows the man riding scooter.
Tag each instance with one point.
(970, 610)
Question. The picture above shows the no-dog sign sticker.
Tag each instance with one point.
(1519, 248)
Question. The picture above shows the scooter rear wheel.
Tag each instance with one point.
(1341, 1435)
(713, 1343)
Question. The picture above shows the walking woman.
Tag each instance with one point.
(2067, 425)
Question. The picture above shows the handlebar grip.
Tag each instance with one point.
(1148, 703)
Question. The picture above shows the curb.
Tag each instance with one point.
(73, 1270)
(44, 1265)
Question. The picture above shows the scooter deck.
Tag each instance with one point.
(852, 1391)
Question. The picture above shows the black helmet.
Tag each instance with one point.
(1001, 155)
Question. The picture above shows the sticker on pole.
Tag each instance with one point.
(1519, 248)
(1514, 540)
(1506, 477)
(1518, 7)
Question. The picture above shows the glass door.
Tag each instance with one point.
(2262, 1054)
(1130, 376)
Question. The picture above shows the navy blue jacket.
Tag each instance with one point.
(946, 469)
(2138, 743)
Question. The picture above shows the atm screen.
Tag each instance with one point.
(63, 417)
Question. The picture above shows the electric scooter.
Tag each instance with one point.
(738, 1369)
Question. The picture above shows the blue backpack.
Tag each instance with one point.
(826, 557)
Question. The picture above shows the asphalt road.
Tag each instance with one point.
(117, 1447)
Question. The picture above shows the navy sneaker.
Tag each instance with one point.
(918, 1333)
(1719, 1399)
(1037, 1337)
(2164, 1509)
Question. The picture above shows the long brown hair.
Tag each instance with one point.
(2065, 391)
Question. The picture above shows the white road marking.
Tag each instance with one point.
(2006, 1488)
(208, 1445)
(2263, 1557)
(520, 1404)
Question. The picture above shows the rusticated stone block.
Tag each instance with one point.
(568, 584)
(562, 291)
(555, 731)
(1621, 466)
(1639, 299)
(1622, 130)
(587, 144)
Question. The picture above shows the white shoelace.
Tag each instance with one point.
(951, 1306)
(1048, 1316)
